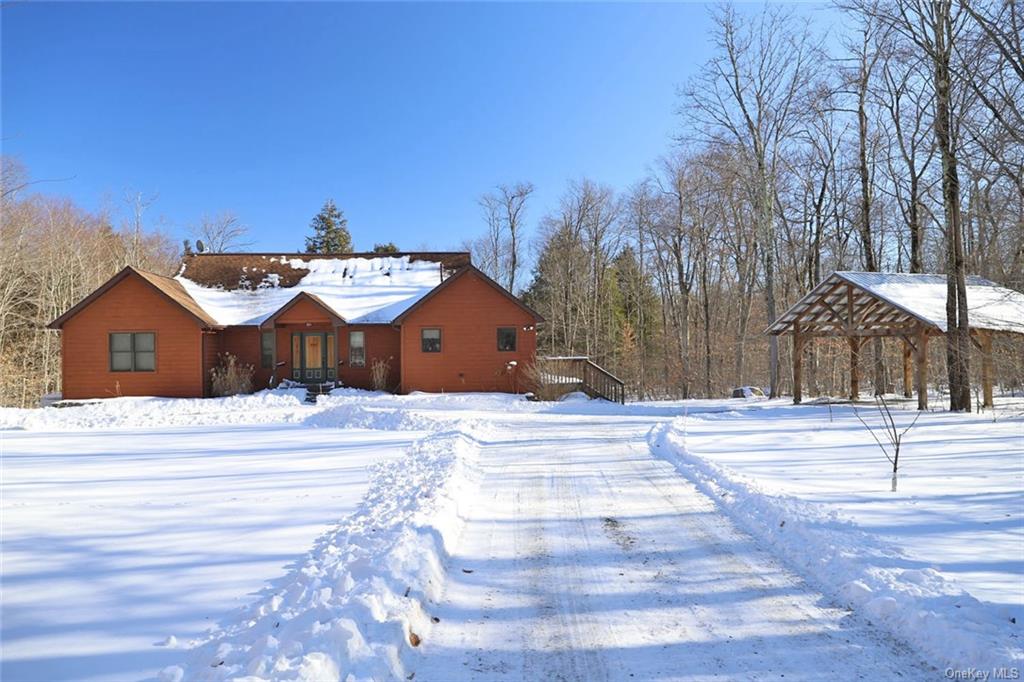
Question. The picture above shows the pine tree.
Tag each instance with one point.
(385, 248)
(330, 231)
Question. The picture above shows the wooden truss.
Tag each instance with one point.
(839, 308)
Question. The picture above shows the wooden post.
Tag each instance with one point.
(908, 379)
(986, 367)
(854, 367)
(921, 362)
(798, 352)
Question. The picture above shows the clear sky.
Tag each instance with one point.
(402, 113)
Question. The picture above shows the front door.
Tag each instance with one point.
(313, 357)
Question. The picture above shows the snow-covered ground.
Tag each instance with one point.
(939, 563)
(959, 504)
(485, 537)
(115, 539)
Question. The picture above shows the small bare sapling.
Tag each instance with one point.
(892, 434)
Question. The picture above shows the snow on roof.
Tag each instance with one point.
(989, 305)
(922, 296)
(361, 290)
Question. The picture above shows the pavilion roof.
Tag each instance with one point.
(890, 304)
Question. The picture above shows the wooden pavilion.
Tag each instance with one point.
(859, 306)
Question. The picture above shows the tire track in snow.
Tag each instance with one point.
(595, 561)
(574, 643)
(761, 572)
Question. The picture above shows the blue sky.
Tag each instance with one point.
(402, 113)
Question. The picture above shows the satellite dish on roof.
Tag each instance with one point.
(200, 246)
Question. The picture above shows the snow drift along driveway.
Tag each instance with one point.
(353, 603)
(948, 626)
(585, 559)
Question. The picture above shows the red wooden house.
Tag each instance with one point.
(437, 322)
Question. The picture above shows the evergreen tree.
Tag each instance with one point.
(385, 248)
(637, 309)
(330, 231)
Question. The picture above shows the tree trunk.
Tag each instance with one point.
(769, 293)
(867, 242)
(958, 351)
(707, 331)
(908, 378)
(684, 315)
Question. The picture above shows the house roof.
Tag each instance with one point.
(232, 271)
(168, 287)
(890, 301)
(247, 289)
(350, 288)
(479, 273)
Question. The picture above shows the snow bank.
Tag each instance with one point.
(278, 405)
(357, 416)
(945, 624)
(364, 592)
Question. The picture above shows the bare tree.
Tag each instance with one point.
(750, 95)
(54, 254)
(892, 434)
(935, 28)
(907, 104)
(859, 79)
(222, 232)
(504, 212)
(990, 64)
(137, 203)
(680, 212)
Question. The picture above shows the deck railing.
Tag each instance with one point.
(592, 379)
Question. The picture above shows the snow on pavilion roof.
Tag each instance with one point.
(362, 289)
(893, 303)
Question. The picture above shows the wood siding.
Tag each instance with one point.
(304, 311)
(244, 344)
(383, 342)
(213, 346)
(132, 305)
(468, 313)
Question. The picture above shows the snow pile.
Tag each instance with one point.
(920, 606)
(350, 607)
(276, 405)
(361, 290)
(356, 416)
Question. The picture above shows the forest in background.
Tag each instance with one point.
(898, 146)
(52, 255)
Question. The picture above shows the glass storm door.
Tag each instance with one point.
(312, 357)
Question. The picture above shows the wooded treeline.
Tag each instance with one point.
(897, 146)
(53, 254)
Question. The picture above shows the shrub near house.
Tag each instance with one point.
(406, 321)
